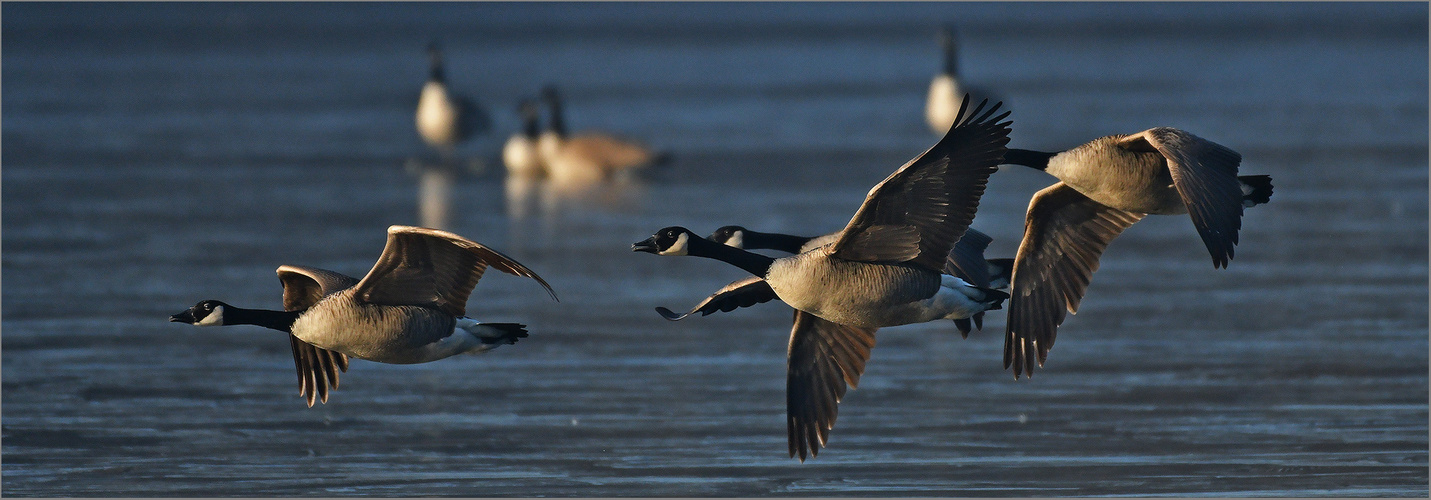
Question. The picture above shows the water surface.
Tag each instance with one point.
(159, 154)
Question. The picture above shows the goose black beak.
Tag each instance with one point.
(647, 245)
(183, 317)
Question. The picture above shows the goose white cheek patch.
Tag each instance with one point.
(679, 248)
(215, 318)
(737, 239)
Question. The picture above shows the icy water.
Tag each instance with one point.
(156, 155)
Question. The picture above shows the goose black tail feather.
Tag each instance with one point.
(1261, 189)
(993, 297)
(510, 333)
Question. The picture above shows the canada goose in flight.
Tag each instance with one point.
(410, 308)
(520, 153)
(444, 118)
(966, 261)
(885, 269)
(1105, 186)
(589, 156)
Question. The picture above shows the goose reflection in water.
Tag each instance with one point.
(529, 196)
(434, 187)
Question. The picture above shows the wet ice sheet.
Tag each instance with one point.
(148, 168)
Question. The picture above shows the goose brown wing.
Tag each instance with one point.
(428, 267)
(825, 359)
(1205, 174)
(745, 292)
(1064, 235)
(318, 368)
(917, 213)
(303, 286)
(966, 260)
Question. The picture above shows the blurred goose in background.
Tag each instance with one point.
(1105, 186)
(444, 118)
(942, 105)
(966, 261)
(410, 308)
(947, 88)
(520, 153)
(589, 156)
(885, 269)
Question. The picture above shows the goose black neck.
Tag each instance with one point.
(558, 125)
(752, 262)
(530, 127)
(277, 320)
(775, 241)
(951, 55)
(1027, 158)
(434, 71)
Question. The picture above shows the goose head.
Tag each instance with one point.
(206, 313)
(674, 240)
(729, 235)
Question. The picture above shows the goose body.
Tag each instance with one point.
(410, 308)
(883, 269)
(1136, 181)
(1105, 186)
(872, 295)
(398, 334)
(520, 154)
(443, 118)
(966, 261)
(589, 156)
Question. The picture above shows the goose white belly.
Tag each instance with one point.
(520, 156)
(863, 294)
(1135, 181)
(436, 116)
(942, 104)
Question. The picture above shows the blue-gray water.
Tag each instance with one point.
(157, 154)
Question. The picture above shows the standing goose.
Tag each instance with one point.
(966, 261)
(586, 157)
(520, 153)
(445, 119)
(942, 104)
(1105, 186)
(410, 308)
(883, 270)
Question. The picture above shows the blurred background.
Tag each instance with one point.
(158, 154)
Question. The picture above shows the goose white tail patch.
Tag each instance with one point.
(951, 281)
(215, 318)
(679, 247)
